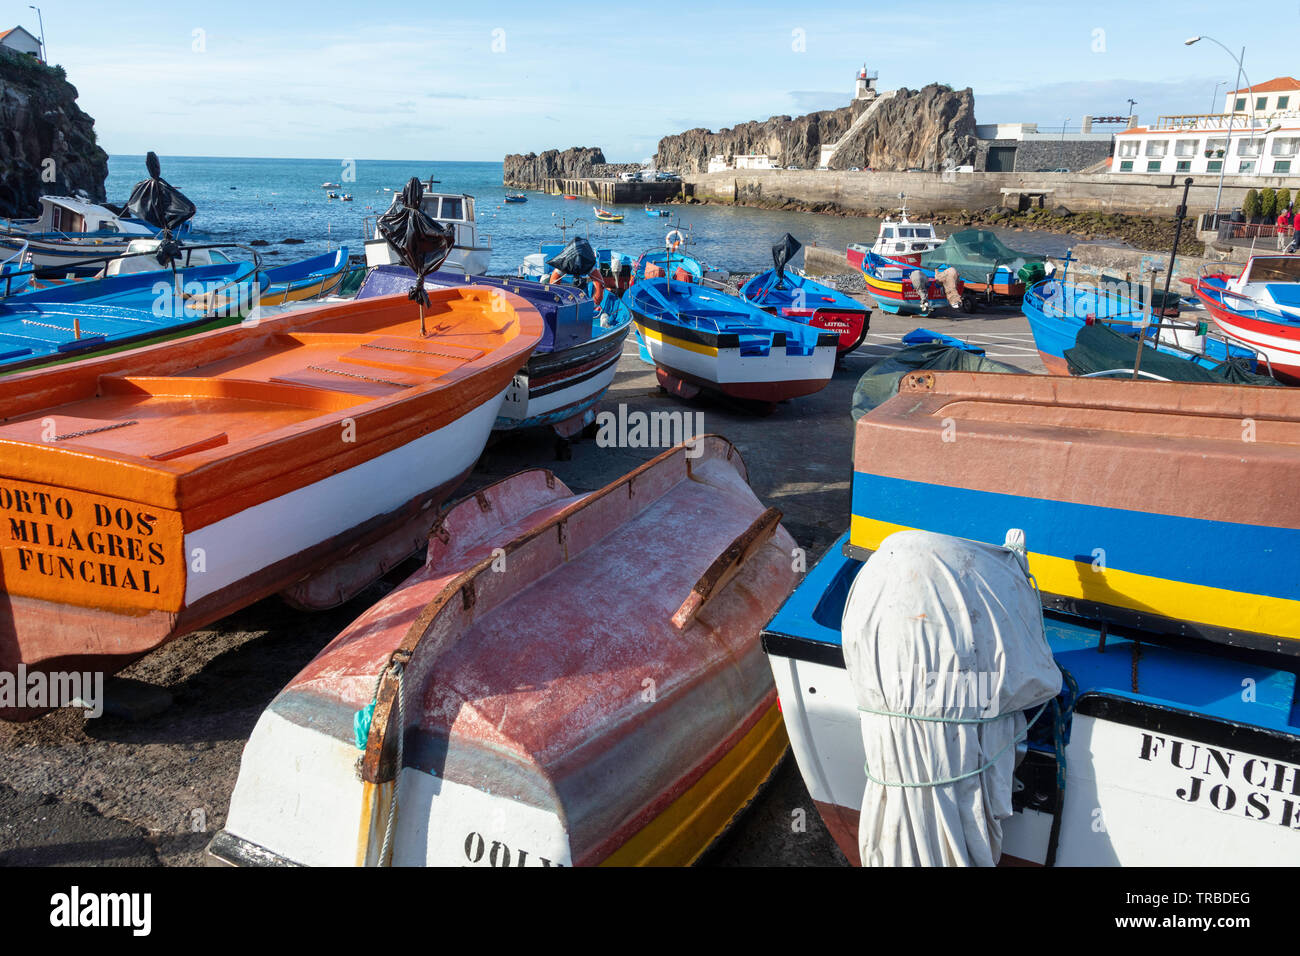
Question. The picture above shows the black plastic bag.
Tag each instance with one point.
(576, 259)
(782, 253)
(158, 202)
(421, 243)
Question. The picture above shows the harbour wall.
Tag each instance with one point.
(867, 193)
(610, 191)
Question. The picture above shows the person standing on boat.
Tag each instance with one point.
(1283, 227)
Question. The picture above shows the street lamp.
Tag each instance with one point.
(1227, 152)
(1214, 98)
(45, 53)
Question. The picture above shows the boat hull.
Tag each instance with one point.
(1124, 760)
(896, 295)
(1279, 341)
(470, 260)
(1219, 565)
(179, 525)
(562, 386)
(539, 733)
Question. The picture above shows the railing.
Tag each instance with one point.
(1216, 121)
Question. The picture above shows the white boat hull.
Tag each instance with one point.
(470, 260)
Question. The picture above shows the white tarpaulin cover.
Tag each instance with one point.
(942, 627)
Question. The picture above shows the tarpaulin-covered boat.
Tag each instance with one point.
(987, 266)
(151, 492)
(701, 339)
(792, 295)
(1164, 746)
(573, 364)
(570, 680)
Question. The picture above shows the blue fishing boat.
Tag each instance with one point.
(902, 288)
(701, 339)
(787, 292)
(15, 272)
(651, 211)
(1058, 310)
(1157, 610)
(75, 319)
(516, 197)
(570, 369)
(306, 279)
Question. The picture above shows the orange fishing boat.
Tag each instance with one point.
(151, 492)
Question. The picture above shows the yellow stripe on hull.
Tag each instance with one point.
(1176, 600)
(884, 284)
(314, 290)
(678, 343)
(688, 825)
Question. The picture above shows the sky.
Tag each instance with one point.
(474, 81)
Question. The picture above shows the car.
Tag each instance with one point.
(854, 169)
(792, 167)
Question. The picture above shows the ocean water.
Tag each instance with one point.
(240, 200)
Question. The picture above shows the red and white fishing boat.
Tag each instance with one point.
(151, 492)
(570, 680)
(899, 239)
(1261, 308)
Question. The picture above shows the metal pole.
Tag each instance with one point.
(1227, 150)
(45, 52)
(1181, 213)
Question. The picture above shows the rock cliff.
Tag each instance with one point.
(929, 129)
(529, 169)
(791, 141)
(40, 122)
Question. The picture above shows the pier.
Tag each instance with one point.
(610, 191)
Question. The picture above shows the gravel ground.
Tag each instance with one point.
(111, 792)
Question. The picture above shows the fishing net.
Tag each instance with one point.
(1099, 348)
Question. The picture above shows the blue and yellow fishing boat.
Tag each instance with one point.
(1153, 523)
(306, 279)
(901, 288)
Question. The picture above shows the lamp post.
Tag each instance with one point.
(1227, 151)
(45, 53)
(1214, 98)
(1131, 104)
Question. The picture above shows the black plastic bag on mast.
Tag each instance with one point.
(421, 243)
(162, 205)
(785, 250)
(577, 259)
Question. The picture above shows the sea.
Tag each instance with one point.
(241, 200)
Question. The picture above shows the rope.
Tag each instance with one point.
(387, 847)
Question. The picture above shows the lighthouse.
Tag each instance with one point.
(866, 85)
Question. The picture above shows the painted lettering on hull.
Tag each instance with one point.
(1219, 779)
(76, 548)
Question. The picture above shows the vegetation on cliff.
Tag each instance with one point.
(47, 142)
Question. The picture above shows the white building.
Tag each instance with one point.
(721, 163)
(21, 41)
(1257, 135)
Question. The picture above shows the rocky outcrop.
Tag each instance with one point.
(790, 141)
(47, 143)
(928, 129)
(530, 169)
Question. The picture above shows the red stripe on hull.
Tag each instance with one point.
(768, 392)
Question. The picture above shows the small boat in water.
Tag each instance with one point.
(183, 481)
(516, 197)
(901, 288)
(604, 215)
(652, 211)
(513, 705)
(703, 339)
(1156, 606)
(573, 364)
(1259, 308)
(787, 292)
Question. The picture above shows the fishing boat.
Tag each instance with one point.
(472, 250)
(704, 340)
(15, 271)
(901, 288)
(604, 215)
(572, 365)
(516, 197)
(526, 713)
(53, 325)
(899, 239)
(154, 491)
(1158, 609)
(652, 211)
(989, 269)
(568, 196)
(787, 292)
(69, 230)
(1260, 308)
(1059, 309)
(311, 278)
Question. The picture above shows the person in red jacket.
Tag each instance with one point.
(1283, 227)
